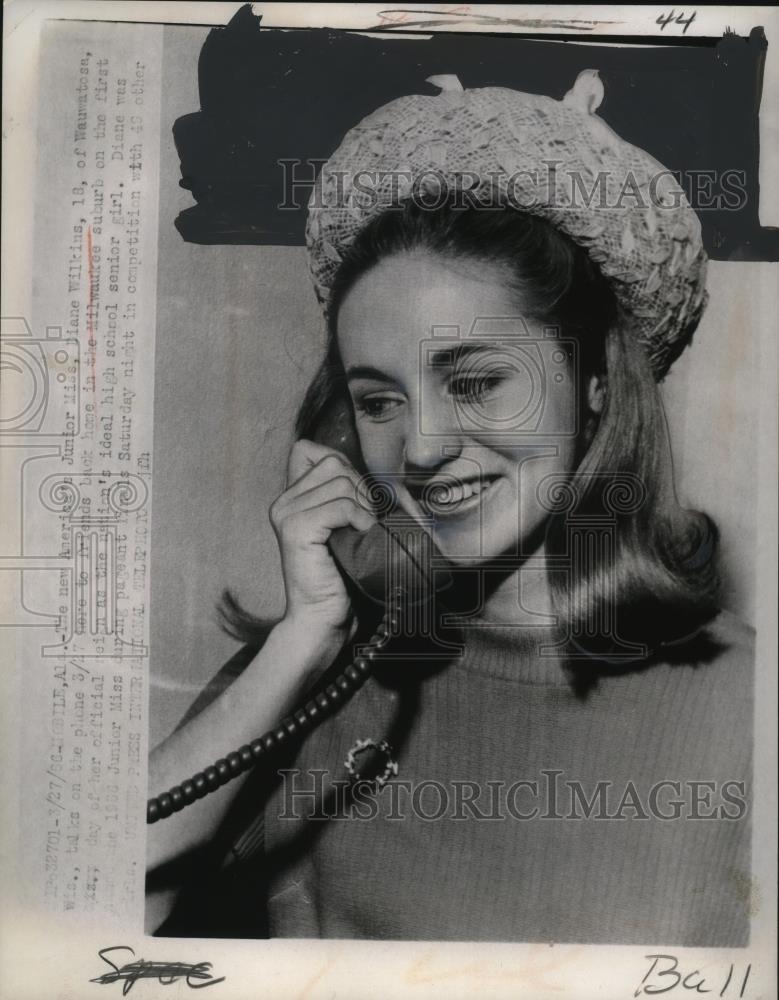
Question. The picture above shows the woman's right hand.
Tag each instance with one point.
(321, 496)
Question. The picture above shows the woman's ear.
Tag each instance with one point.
(595, 388)
(596, 393)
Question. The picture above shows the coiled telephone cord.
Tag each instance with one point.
(322, 704)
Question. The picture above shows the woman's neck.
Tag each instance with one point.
(521, 597)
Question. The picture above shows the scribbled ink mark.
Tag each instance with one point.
(165, 973)
(440, 18)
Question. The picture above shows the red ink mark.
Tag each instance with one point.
(90, 316)
(394, 16)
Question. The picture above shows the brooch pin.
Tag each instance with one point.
(382, 747)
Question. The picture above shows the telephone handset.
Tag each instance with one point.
(394, 555)
(391, 565)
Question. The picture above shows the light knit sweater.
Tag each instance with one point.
(504, 714)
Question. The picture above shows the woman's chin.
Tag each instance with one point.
(469, 548)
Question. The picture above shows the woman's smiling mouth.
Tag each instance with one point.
(453, 496)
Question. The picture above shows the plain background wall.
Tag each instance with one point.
(239, 335)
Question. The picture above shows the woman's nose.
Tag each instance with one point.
(433, 435)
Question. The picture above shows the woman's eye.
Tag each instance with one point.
(377, 407)
(475, 386)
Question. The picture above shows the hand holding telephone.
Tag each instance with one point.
(391, 567)
(383, 558)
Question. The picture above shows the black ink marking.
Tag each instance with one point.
(166, 973)
(665, 976)
(249, 156)
(673, 18)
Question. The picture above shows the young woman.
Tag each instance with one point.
(565, 757)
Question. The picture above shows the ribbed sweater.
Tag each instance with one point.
(427, 864)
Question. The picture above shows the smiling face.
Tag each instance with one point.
(459, 397)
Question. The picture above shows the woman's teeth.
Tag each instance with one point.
(450, 495)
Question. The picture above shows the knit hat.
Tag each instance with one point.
(494, 146)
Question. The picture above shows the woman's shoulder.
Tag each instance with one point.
(725, 643)
(728, 644)
(733, 632)
(711, 676)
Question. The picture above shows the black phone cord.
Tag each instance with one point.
(322, 704)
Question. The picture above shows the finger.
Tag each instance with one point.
(317, 523)
(329, 470)
(332, 466)
(304, 455)
(330, 489)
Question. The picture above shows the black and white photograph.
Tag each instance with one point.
(391, 446)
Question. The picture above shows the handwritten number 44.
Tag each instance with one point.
(674, 18)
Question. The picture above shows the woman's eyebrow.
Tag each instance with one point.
(366, 371)
(448, 357)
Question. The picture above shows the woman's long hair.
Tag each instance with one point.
(629, 569)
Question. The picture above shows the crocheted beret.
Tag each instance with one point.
(556, 159)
